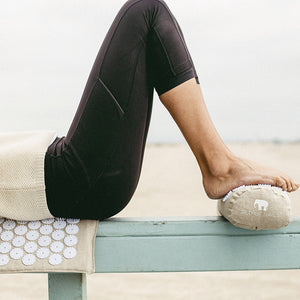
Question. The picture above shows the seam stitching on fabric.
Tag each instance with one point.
(165, 51)
(120, 110)
(134, 73)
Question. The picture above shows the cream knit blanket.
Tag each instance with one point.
(31, 239)
(22, 186)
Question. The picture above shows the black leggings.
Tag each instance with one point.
(93, 171)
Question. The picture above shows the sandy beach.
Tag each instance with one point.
(170, 185)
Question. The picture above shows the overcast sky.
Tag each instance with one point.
(246, 52)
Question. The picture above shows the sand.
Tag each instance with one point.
(170, 185)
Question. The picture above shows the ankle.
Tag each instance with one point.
(217, 163)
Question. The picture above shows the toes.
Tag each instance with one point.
(292, 185)
(286, 183)
(289, 184)
(279, 181)
(295, 186)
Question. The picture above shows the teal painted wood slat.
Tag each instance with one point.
(182, 226)
(193, 244)
(67, 286)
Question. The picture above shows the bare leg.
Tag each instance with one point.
(221, 169)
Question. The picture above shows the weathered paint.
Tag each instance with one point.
(182, 244)
(193, 244)
(67, 286)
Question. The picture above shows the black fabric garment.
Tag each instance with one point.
(93, 171)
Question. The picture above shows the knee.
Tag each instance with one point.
(144, 3)
(146, 8)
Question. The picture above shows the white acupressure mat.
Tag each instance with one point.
(48, 245)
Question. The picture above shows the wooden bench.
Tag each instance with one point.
(181, 244)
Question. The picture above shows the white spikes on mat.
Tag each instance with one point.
(28, 240)
(242, 186)
(53, 244)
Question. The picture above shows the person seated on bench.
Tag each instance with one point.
(93, 171)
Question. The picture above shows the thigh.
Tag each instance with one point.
(117, 89)
(106, 139)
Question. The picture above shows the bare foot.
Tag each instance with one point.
(224, 176)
